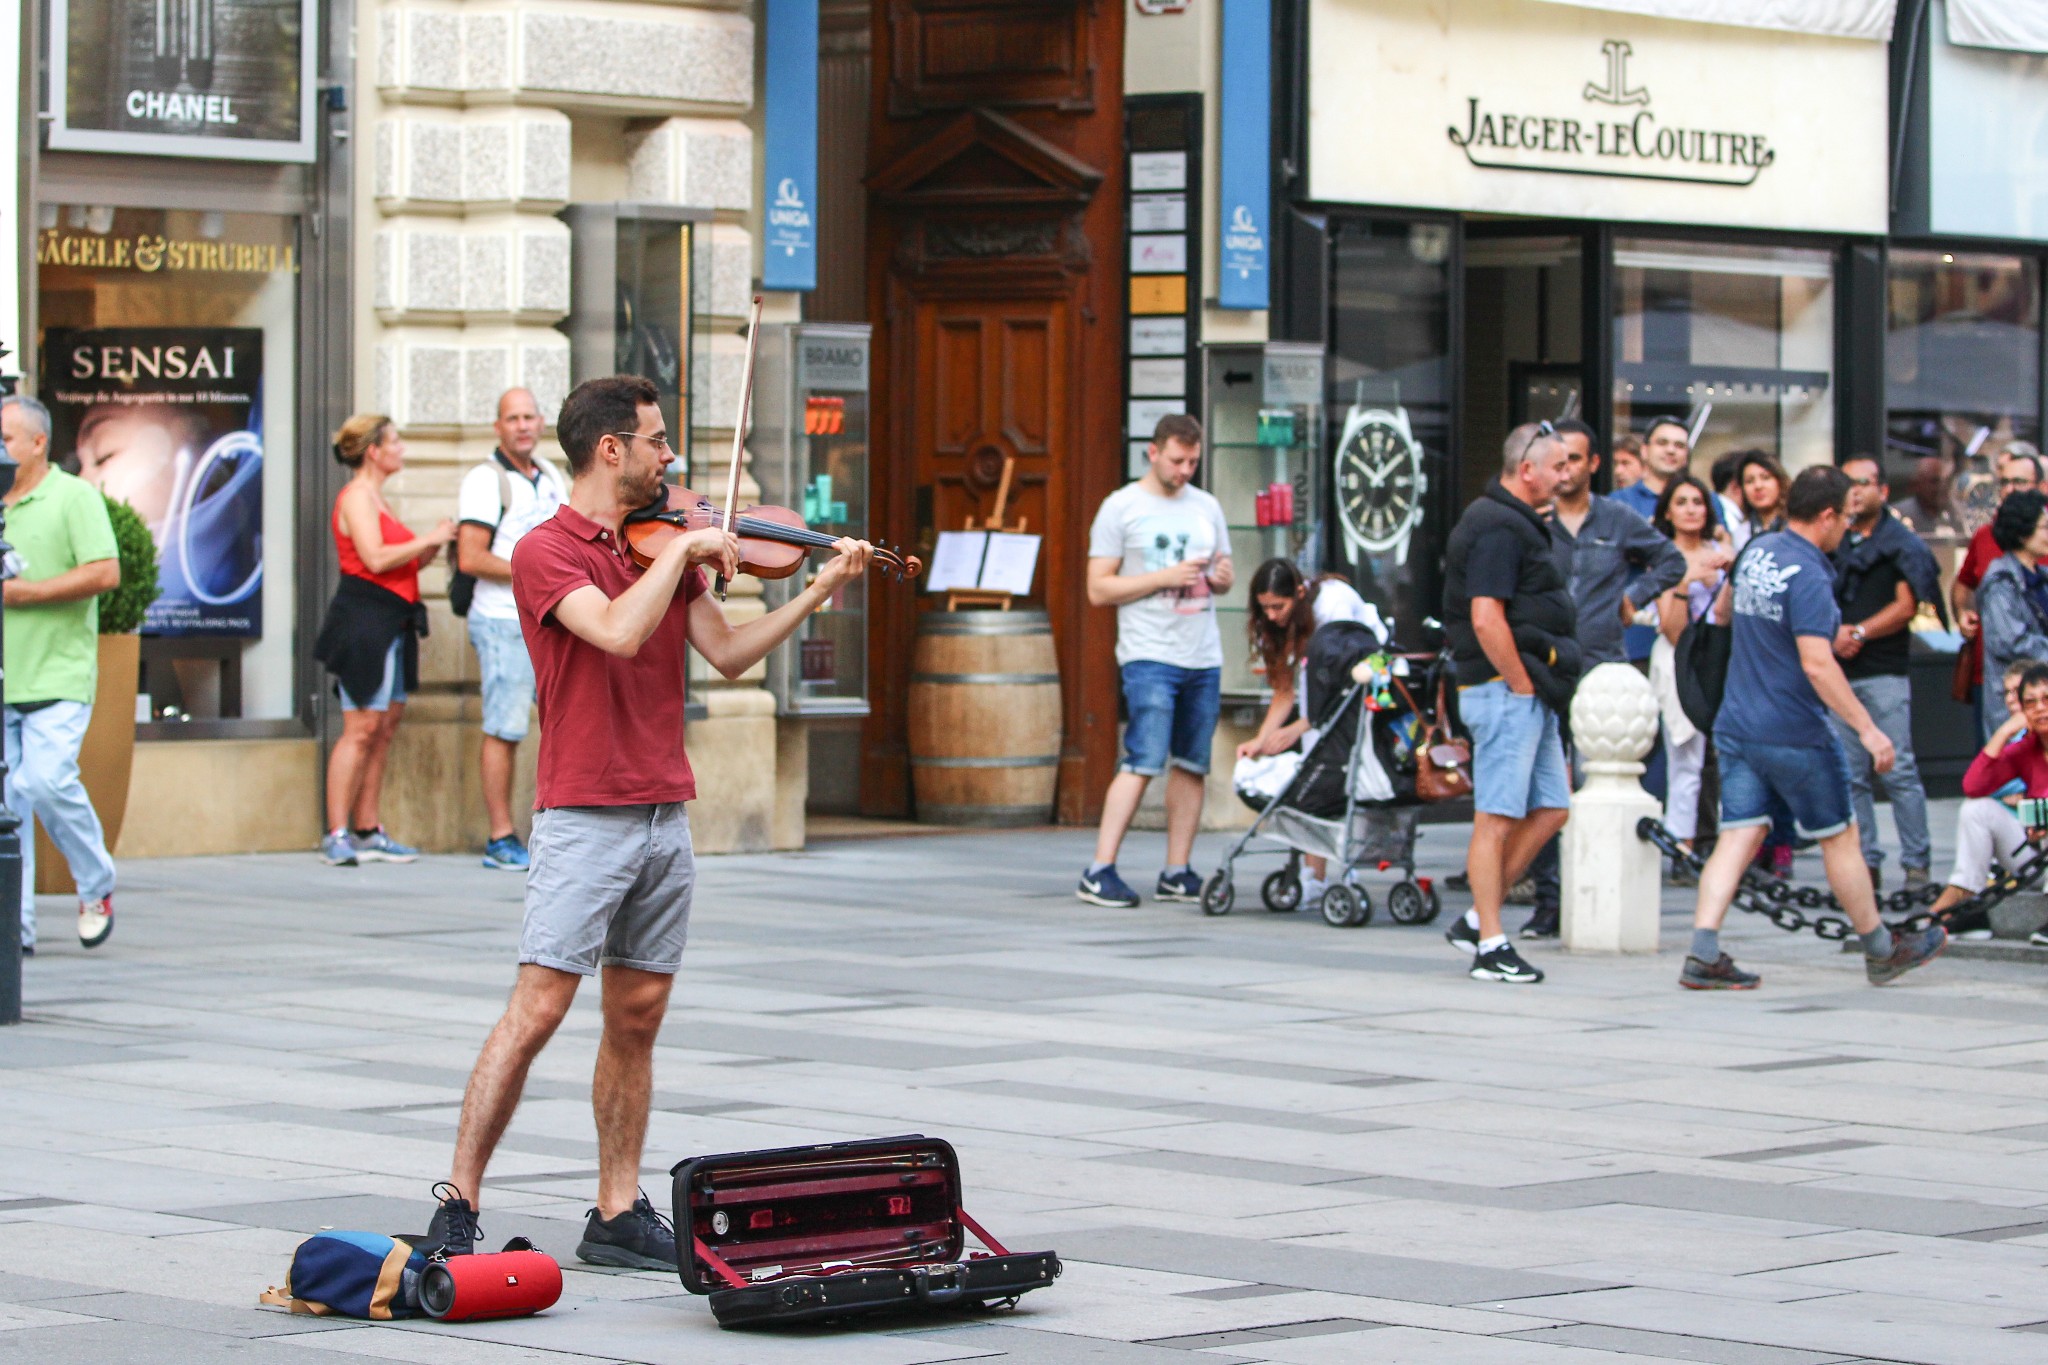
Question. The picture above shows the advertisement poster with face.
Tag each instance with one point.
(169, 420)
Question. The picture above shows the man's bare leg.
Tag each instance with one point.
(1501, 850)
(1841, 855)
(1119, 805)
(1486, 866)
(1722, 874)
(540, 999)
(635, 1002)
(499, 757)
(1184, 792)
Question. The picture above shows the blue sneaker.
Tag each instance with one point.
(338, 849)
(1180, 886)
(379, 847)
(506, 854)
(1105, 888)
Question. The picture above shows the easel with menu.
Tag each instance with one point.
(956, 598)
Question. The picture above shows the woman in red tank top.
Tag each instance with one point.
(375, 548)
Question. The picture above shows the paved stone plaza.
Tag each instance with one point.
(1251, 1139)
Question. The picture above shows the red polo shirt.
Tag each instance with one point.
(611, 729)
(1982, 554)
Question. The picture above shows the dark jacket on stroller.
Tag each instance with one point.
(1319, 788)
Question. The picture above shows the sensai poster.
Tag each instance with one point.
(170, 421)
(212, 78)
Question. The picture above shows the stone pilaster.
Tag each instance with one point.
(470, 111)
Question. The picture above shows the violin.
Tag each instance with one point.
(774, 541)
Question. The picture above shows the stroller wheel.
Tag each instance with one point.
(1436, 904)
(1218, 893)
(1407, 905)
(1342, 906)
(1281, 892)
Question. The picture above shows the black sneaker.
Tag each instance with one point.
(1968, 923)
(638, 1239)
(1719, 975)
(1504, 964)
(1542, 924)
(454, 1230)
(1462, 936)
(1182, 886)
(1908, 951)
(1458, 881)
(1105, 888)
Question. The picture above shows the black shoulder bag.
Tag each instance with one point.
(1701, 660)
(462, 586)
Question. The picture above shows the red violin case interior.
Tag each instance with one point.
(802, 1233)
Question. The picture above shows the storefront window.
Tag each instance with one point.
(166, 356)
(1962, 383)
(1390, 407)
(1737, 342)
(1523, 325)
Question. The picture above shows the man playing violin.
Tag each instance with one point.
(609, 891)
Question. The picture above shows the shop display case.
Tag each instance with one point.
(810, 453)
(1263, 416)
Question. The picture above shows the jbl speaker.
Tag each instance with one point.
(513, 1283)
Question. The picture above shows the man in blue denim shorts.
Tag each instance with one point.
(501, 500)
(1159, 551)
(1511, 627)
(1774, 739)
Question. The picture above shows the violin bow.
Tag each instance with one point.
(739, 426)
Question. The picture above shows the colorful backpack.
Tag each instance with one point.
(352, 1275)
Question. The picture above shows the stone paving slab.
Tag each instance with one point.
(1253, 1138)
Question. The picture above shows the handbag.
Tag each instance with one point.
(1701, 657)
(462, 586)
(1443, 762)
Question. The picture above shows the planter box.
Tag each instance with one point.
(106, 759)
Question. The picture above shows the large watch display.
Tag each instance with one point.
(1379, 481)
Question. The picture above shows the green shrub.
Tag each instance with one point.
(121, 610)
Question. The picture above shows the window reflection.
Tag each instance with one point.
(1736, 342)
(1962, 383)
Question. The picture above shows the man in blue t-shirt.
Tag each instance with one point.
(1773, 737)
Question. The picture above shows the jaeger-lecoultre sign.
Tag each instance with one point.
(1610, 141)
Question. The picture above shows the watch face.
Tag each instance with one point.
(1379, 481)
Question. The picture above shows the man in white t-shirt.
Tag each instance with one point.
(501, 500)
(1159, 552)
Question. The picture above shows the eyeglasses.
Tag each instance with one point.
(661, 442)
(1865, 482)
(1544, 428)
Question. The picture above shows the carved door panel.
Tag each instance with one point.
(997, 389)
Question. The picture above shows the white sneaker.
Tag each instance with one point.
(1312, 892)
(95, 921)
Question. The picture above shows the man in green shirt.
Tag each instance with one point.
(58, 525)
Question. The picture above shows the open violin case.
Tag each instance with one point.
(800, 1234)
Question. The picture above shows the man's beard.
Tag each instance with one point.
(639, 490)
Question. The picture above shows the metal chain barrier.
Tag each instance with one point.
(1786, 905)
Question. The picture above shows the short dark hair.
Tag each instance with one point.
(1865, 457)
(1651, 430)
(2017, 517)
(2035, 675)
(597, 408)
(1722, 471)
(1177, 426)
(1821, 488)
(1572, 426)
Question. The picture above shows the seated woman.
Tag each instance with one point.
(2014, 763)
(1287, 609)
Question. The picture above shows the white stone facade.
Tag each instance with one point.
(476, 122)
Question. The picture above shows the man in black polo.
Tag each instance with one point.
(1883, 572)
(1509, 620)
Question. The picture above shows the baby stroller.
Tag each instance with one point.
(1351, 798)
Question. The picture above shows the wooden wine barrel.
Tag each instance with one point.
(984, 718)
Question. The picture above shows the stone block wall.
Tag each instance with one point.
(480, 120)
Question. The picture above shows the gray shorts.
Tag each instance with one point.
(609, 885)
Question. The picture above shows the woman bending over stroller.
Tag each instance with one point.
(1288, 608)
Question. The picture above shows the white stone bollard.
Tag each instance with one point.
(1613, 881)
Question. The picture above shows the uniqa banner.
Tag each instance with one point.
(170, 421)
(214, 78)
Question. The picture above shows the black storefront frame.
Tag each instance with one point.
(1306, 299)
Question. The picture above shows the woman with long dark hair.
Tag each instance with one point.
(2012, 601)
(1287, 607)
(1762, 483)
(1685, 516)
(369, 640)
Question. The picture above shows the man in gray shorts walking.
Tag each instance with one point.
(609, 890)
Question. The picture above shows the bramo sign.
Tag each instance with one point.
(1635, 147)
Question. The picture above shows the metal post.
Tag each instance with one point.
(10, 824)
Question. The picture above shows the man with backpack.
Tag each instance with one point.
(502, 499)
(1774, 741)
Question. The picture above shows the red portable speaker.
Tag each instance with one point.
(493, 1284)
